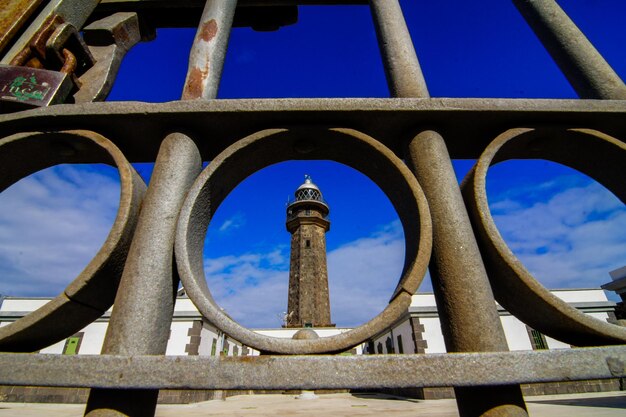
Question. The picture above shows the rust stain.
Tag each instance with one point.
(195, 84)
(122, 35)
(37, 43)
(14, 15)
(208, 30)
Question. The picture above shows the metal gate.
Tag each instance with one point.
(404, 144)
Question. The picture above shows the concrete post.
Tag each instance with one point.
(467, 309)
(469, 318)
(144, 304)
(142, 316)
(583, 66)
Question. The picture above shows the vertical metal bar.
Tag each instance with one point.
(206, 58)
(469, 318)
(144, 305)
(142, 316)
(583, 66)
(402, 68)
(467, 309)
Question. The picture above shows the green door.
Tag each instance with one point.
(71, 347)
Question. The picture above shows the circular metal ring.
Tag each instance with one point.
(593, 153)
(268, 147)
(93, 291)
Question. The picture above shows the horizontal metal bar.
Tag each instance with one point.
(186, 13)
(467, 125)
(313, 372)
(168, 4)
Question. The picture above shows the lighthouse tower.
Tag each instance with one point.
(307, 221)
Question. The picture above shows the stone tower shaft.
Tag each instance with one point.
(307, 221)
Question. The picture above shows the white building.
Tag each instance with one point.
(417, 331)
(190, 333)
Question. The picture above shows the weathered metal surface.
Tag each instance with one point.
(74, 12)
(314, 372)
(65, 37)
(593, 153)
(143, 327)
(92, 292)
(206, 58)
(276, 130)
(149, 283)
(583, 66)
(108, 39)
(272, 146)
(13, 15)
(468, 125)
(465, 302)
(466, 306)
(402, 68)
(141, 319)
(137, 5)
(158, 14)
(468, 316)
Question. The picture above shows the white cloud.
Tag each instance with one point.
(51, 224)
(363, 275)
(233, 223)
(252, 288)
(571, 239)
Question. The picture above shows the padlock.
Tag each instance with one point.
(23, 88)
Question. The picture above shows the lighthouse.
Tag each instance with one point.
(307, 221)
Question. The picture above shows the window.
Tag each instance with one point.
(307, 212)
(389, 345)
(308, 324)
(72, 344)
(308, 243)
(400, 347)
(213, 347)
(537, 339)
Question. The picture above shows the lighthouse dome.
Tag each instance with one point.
(308, 191)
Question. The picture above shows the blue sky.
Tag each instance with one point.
(567, 229)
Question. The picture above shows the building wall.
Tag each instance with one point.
(389, 343)
(516, 333)
(93, 338)
(188, 324)
(433, 335)
(419, 330)
(179, 338)
(209, 337)
(423, 315)
(423, 308)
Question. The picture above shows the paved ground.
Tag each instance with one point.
(339, 405)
